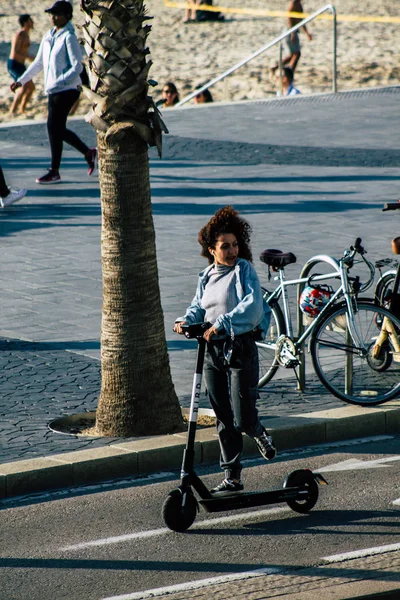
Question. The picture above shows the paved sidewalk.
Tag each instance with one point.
(42, 381)
(310, 177)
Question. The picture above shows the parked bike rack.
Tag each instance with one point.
(310, 264)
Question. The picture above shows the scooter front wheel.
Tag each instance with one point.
(302, 478)
(180, 509)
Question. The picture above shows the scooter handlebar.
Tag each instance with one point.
(391, 206)
(195, 330)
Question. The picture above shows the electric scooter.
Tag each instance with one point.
(299, 490)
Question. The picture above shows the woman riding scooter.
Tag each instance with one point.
(229, 296)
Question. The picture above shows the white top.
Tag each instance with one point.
(60, 58)
(291, 91)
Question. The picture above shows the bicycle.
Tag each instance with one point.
(348, 352)
(387, 291)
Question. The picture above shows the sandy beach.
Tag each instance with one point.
(191, 54)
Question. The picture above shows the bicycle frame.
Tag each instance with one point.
(281, 293)
(344, 313)
(344, 290)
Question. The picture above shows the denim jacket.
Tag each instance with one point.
(250, 313)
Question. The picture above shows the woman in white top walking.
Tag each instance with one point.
(60, 58)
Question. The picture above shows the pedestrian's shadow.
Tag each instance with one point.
(28, 217)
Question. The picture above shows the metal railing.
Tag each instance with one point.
(277, 40)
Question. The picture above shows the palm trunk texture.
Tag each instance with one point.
(137, 394)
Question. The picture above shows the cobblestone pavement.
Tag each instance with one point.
(334, 581)
(310, 177)
(41, 382)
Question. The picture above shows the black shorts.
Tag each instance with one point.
(15, 68)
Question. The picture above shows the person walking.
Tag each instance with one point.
(16, 63)
(190, 12)
(229, 297)
(7, 195)
(60, 58)
(293, 40)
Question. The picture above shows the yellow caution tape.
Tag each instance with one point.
(277, 13)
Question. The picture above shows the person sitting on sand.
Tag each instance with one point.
(16, 63)
(288, 88)
(170, 96)
(203, 97)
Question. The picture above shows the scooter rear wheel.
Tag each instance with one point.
(178, 516)
(300, 478)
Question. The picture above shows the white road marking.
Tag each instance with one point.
(119, 539)
(293, 452)
(355, 464)
(361, 553)
(163, 530)
(87, 489)
(194, 585)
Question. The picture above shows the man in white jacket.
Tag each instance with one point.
(60, 59)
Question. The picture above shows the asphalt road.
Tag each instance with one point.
(109, 541)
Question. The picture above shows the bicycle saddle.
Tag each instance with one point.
(396, 245)
(276, 258)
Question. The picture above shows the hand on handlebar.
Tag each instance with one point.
(391, 206)
(178, 327)
(209, 333)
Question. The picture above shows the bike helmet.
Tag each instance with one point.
(314, 298)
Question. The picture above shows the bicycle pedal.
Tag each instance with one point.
(292, 364)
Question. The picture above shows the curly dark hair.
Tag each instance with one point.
(225, 220)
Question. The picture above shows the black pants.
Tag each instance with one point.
(4, 191)
(233, 395)
(59, 106)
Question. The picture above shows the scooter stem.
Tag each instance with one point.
(188, 454)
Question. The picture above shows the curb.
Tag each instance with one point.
(159, 453)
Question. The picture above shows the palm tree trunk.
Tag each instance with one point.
(137, 394)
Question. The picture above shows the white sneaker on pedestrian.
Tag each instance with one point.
(12, 197)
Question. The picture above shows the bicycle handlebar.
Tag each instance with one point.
(348, 259)
(357, 246)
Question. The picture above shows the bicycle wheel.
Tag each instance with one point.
(384, 290)
(266, 349)
(348, 370)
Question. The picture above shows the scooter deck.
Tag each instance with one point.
(221, 502)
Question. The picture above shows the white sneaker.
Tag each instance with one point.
(12, 197)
